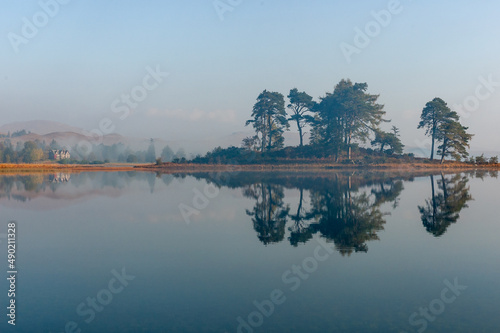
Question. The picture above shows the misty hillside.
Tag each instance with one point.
(41, 127)
(67, 139)
(68, 136)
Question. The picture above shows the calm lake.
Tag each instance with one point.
(253, 252)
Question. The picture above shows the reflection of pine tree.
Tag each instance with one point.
(337, 209)
(347, 218)
(299, 230)
(443, 209)
(388, 191)
(269, 213)
(341, 214)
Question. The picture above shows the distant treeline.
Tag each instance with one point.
(15, 134)
(28, 152)
(36, 151)
(121, 153)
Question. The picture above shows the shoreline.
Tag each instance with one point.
(319, 167)
(194, 168)
(69, 168)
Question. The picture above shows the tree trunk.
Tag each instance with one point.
(300, 202)
(263, 143)
(445, 142)
(349, 147)
(270, 133)
(300, 132)
(434, 206)
(445, 190)
(432, 147)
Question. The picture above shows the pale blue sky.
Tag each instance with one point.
(92, 52)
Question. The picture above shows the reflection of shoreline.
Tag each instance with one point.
(15, 169)
(321, 167)
(448, 167)
(56, 190)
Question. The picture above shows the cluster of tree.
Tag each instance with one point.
(483, 160)
(34, 151)
(168, 155)
(28, 152)
(15, 134)
(443, 126)
(121, 153)
(338, 121)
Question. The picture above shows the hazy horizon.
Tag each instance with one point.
(79, 63)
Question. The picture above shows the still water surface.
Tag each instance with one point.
(253, 252)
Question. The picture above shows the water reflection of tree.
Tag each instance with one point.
(269, 214)
(299, 232)
(31, 183)
(337, 210)
(388, 191)
(348, 217)
(22, 187)
(443, 208)
(481, 173)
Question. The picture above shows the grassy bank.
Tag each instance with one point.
(53, 167)
(192, 167)
(416, 166)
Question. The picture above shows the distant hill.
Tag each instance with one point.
(68, 136)
(41, 127)
(67, 139)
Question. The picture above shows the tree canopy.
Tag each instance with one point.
(269, 120)
(443, 126)
(347, 115)
(392, 140)
(300, 104)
